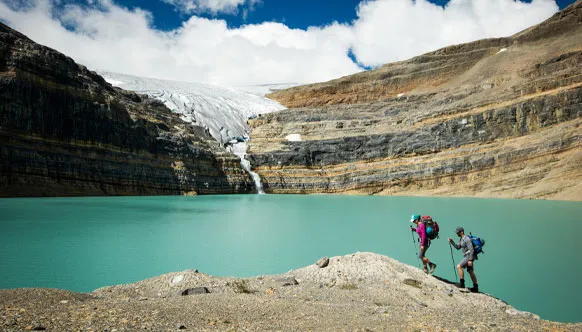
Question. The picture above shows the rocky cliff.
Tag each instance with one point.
(64, 131)
(492, 118)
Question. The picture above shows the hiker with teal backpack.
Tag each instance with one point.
(427, 230)
(471, 246)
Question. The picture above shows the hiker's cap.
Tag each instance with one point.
(414, 217)
(459, 230)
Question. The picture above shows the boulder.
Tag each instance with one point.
(176, 280)
(323, 262)
(288, 281)
(413, 283)
(195, 290)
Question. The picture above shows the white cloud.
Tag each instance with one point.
(113, 38)
(210, 6)
(393, 30)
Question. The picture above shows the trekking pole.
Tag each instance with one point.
(414, 245)
(453, 259)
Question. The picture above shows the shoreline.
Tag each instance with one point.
(574, 200)
(357, 292)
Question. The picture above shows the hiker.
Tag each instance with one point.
(424, 242)
(469, 256)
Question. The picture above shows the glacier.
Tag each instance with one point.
(224, 111)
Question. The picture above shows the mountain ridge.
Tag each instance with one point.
(491, 118)
(65, 131)
(389, 74)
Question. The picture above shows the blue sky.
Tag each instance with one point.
(295, 14)
(245, 42)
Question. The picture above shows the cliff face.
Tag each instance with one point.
(493, 118)
(64, 131)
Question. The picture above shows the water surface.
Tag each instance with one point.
(531, 260)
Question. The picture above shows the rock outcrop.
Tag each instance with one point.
(64, 131)
(492, 118)
(358, 292)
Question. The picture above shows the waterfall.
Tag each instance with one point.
(240, 150)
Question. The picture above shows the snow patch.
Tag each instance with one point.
(501, 50)
(293, 138)
(265, 89)
(113, 82)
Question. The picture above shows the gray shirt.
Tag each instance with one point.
(467, 245)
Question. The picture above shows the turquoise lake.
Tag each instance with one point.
(531, 260)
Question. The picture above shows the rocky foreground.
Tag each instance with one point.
(358, 292)
(492, 118)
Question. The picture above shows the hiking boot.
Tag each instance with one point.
(425, 270)
(474, 289)
(432, 267)
(461, 285)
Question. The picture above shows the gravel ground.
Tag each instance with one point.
(359, 292)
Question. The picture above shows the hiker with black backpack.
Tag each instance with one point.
(425, 234)
(469, 256)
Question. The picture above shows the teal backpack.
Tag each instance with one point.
(478, 243)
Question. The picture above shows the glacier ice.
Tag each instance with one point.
(224, 111)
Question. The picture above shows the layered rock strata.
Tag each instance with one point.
(493, 118)
(64, 131)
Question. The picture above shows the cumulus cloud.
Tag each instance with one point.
(109, 37)
(399, 29)
(211, 6)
